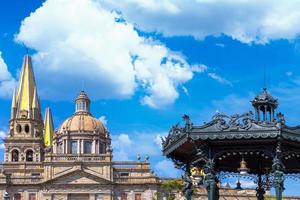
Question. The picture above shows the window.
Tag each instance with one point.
(17, 196)
(123, 196)
(35, 174)
(87, 147)
(101, 148)
(29, 156)
(60, 148)
(137, 197)
(32, 197)
(124, 174)
(99, 197)
(73, 147)
(26, 128)
(19, 128)
(15, 155)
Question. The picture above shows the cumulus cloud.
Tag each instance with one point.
(125, 145)
(165, 168)
(7, 82)
(91, 44)
(247, 21)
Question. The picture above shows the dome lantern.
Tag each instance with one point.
(82, 103)
(265, 106)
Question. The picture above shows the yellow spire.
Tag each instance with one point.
(26, 86)
(35, 100)
(48, 128)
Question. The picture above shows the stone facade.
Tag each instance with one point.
(71, 163)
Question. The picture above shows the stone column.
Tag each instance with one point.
(67, 146)
(210, 181)
(94, 146)
(78, 146)
(64, 146)
(81, 146)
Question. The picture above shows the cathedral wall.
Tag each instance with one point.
(146, 192)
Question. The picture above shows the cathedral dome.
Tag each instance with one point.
(82, 121)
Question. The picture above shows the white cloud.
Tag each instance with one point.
(125, 145)
(2, 134)
(166, 168)
(219, 78)
(247, 21)
(7, 82)
(185, 90)
(103, 120)
(93, 45)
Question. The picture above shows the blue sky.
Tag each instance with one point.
(146, 63)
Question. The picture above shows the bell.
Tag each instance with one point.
(243, 167)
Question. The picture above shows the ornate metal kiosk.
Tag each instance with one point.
(259, 146)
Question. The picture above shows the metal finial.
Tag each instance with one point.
(265, 78)
(186, 118)
(82, 85)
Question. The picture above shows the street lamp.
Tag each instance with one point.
(6, 196)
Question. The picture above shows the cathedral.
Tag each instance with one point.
(73, 162)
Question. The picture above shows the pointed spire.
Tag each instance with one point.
(48, 128)
(13, 102)
(35, 100)
(13, 105)
(26, 87)
(36, 106)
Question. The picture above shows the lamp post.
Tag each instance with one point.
(6, 196)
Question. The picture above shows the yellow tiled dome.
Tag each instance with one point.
(82, 122)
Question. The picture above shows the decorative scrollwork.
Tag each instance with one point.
(234, 122)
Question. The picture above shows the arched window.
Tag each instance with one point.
(19, 128)
(26, 128)
(29, 156)
(102, 148)
(60, 148)
(15, 155)
(73, 147)
(87, 147)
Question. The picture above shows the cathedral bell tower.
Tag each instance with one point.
(24, 142)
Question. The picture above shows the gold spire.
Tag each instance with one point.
(25, 95)
(35, 100)
(48, 130)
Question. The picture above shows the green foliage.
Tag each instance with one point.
(175, 184)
